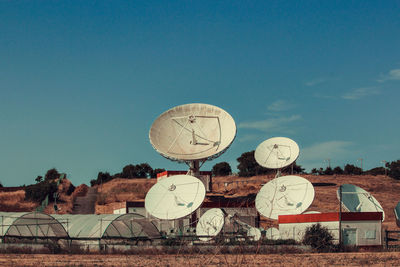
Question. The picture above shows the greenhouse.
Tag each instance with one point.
(87, 230)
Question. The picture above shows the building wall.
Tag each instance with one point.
(367, 233)
(296, 231)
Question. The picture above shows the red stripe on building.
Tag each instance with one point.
(330, 217)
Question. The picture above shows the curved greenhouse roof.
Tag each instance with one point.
(30, 224)
(129, 225)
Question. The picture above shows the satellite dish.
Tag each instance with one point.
(276, 152)
(175, 197)
(272, 233)
(210, 224)
(254, 233)
(192, 132)
(356, 199)
(284, 195)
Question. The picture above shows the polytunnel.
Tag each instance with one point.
(30, 225)
(89, 226)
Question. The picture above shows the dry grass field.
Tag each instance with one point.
(306, 259)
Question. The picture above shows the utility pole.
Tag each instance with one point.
(361, 161)
(329, 162)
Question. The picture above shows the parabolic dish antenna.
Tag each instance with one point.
(210, 224)
(284, 195)
(192, 132)
(356, 199)
(175, 197)
(276, 152)
(272, 233)
(254, 233)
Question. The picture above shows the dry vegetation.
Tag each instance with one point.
(323, 259)
(15, 202)
(120, 190)
(386, 190)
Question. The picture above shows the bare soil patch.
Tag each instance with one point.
(309, 259)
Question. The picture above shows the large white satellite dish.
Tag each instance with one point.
(210, 224)
(192, 132)
(175, 197)
(284, 195)
(272, 233)
(356, 199)
(276, 152)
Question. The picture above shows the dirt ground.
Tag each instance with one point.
(322, 259)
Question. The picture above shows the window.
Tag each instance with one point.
(370, 234)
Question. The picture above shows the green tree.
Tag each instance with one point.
(249, 167)
(328, 171)
(351, 169)
(318, 237)
(39, 179)
(297, 169)
(51, 175)
(221, 169)
(394, 169)
(337, 170)
(376, 171)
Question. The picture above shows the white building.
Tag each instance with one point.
(358, 228)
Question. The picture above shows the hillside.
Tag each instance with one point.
(386, 190)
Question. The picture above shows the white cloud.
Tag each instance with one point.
(280, 124)
(361, 92)
(315, 81)
(280, 105)
(392, 75)
(330, 149)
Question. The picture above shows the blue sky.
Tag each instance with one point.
(81, 82)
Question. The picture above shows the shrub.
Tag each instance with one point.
(318, 237)
(38, 192)
(221, 169)
(394, 169)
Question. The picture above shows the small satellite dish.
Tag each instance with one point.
(272, 233)
(276, 152)
(175, 197)
(210, 224)
(356, 199)
(254, 233)
(284, 195)
(192, 132)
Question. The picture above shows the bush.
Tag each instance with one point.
(319, 238)
(38, 192)
(394, 169)
(221, 169)
(351, 169)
